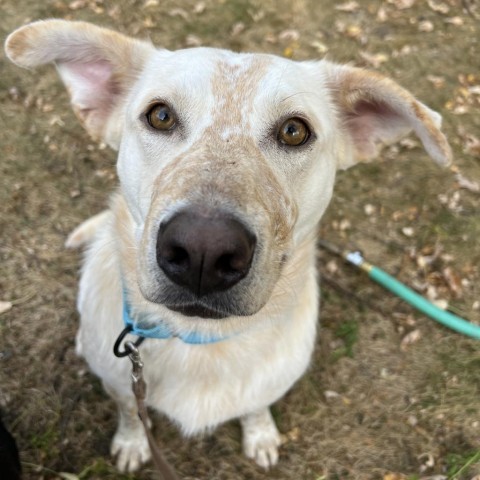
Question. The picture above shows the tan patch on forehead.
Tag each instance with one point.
(234, 87)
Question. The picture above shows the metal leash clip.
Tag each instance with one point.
(139, 386)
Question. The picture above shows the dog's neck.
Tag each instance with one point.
(160, 330)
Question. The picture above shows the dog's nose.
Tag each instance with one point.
(205, 251)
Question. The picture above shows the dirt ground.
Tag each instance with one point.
(390, 394)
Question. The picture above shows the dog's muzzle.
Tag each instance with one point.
(204, 251)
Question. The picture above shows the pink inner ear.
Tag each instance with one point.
(94, 73)
(373, 123)
(90, 84)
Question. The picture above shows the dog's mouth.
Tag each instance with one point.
(198, 310)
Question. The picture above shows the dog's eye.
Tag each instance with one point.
(161, 117)
(293, 132)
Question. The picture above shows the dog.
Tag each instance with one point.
(226, 164)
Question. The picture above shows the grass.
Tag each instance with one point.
(396, 404)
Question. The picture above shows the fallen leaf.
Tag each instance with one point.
(319, 46)
(457, 21)
(199, 8)
(369, 209)
(193, 41)
(454, 282)
(382, 15)
(289, 35)
(441, 303)
(426, 26)
(467, 184)
(428, 463)
(332, 267)
(351, 6)
(5, 306)
(438, 7)
(471, 144)
(438, 82)
(178, 12)
(77, 4)
(374, 59)
(402, 4)
(330, 395)
(409, 339)
(68, 476)
(237, 29)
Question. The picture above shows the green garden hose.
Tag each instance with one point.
(444, 317)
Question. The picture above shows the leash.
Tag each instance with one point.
(139, 388)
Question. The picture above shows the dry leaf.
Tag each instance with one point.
(77, 4)
(332, 267)
(351, 6)
(472, 146)
(369, 209)
(438, 7)
(457, 21)
(428, 463)
(5, 306)
(402, 4)
(426, 26)
(237, 29)
(289, 36)
(193, 41)
(467, 184)
(331, 395)
(68, 476)
(438, 82)
(353, 31)
(319, 46)
(454, 282)
(375, 59)
(409, 339)
(441, 303)
(382, 15)
(178, 12)
(199, 8)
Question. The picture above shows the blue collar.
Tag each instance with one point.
(161, 331)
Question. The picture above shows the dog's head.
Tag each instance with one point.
(226, 161)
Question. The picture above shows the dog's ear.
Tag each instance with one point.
(375, 111)
(97, 65)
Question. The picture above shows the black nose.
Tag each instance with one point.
(204, 251)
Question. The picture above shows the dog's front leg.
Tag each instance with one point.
(260, 437)
(129, 444)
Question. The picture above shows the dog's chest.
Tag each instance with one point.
(202, 386)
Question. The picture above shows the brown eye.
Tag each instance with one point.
(294, 132)
(161, 117)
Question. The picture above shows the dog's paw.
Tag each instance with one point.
(261, 439)
(132, 451)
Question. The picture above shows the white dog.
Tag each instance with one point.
(226, 163)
